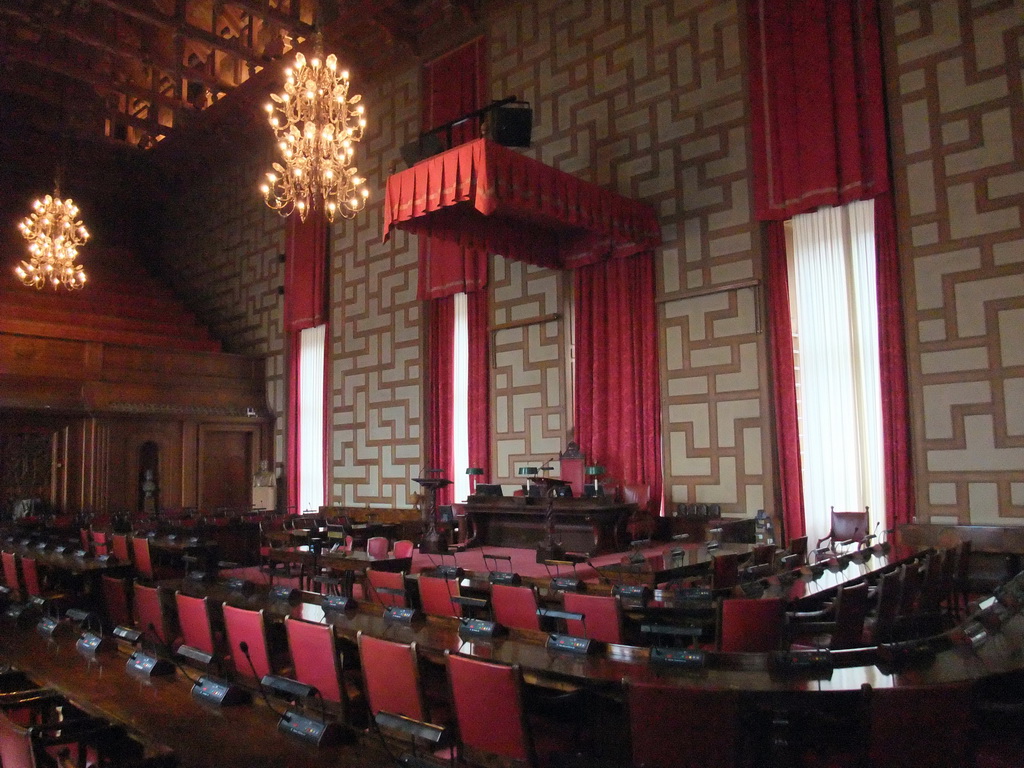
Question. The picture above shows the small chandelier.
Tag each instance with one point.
(317, 125)
(54, 236)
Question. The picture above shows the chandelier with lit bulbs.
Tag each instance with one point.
(54, 235)
(317, 125)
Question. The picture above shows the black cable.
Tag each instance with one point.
(243, 646)
(168, 652)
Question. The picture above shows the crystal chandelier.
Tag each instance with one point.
(54, 236)
(317, 125)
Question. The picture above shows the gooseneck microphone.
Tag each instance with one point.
(243, 646)
(169, 655)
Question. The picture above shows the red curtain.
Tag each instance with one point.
(618, 412)
(789, 493)
(305, 306)
(479, 382)
(305, 272)
(899, 497)
(817, 110)
(453, 85)
(440, 342)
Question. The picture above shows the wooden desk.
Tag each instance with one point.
(162, 708)
(350, 564)
(590, 526)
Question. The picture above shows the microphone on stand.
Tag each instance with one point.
(243, 646)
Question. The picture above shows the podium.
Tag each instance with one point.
(434, 540)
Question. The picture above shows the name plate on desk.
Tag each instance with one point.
(581, 646)
(684, 658)
(401, 615)
(219, 693)
(478, 629)
(81, 554)
(817, 663)
(102, 558)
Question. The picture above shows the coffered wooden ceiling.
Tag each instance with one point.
(135, 71)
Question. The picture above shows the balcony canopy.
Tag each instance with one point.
(489, 199)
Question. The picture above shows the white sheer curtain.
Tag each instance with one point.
(460, 399)
(312, 344)
(835, 320)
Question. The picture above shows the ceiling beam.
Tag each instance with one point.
(127, 53)
(232, 46)
(294, 27)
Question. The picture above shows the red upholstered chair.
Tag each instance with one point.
(86, 538)
(725, 570)
(489, 710)
(751, 625)
(386, 587)
(641, 524)
(142, 558)
(403, 548)
(243, 626)
(45, 730)
(100, 543)
(194, 620)
(887, 603)
(377, 547)
(515, 607)
(391, 678)
(116, 601)
(602, 616)
(120, 548)
(30, 576)
(317, 662)
(436, 596)
(697, 730)
(11, 577)
(150, 616)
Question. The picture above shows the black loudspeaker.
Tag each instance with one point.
(511, 125)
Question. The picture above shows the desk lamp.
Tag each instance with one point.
(475, 473)
(529, 472)
(595, 471)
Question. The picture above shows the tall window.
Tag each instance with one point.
(312, 344)
(834, 307)
(460, 401)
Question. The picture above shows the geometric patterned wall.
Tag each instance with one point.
(530, 405)
(958, 135)
(377, 327)
(648, 99)
(222, 250)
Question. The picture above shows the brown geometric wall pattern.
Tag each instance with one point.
(958, 135)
